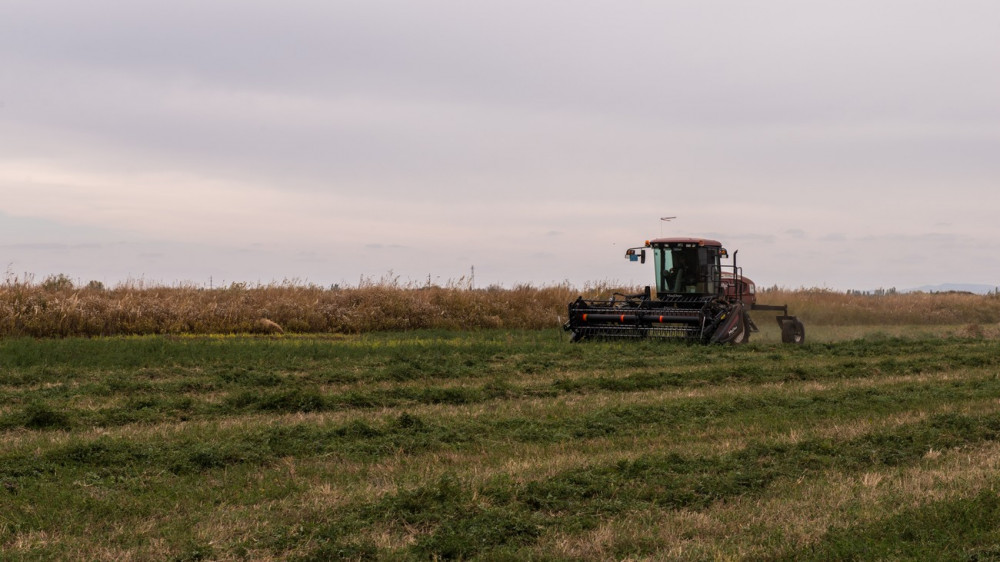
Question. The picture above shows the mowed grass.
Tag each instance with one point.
(495, 444)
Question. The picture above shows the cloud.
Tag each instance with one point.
(236, 136)
(49, 246)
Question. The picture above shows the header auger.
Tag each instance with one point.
(697, 298)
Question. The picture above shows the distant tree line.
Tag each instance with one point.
(880, 292)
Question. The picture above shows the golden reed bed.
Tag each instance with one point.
(56, 307)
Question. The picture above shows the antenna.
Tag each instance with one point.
(663, 220)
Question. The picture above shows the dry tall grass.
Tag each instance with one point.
(829, 308)
(55, 307)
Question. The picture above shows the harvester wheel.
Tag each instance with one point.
(792, 331)
(745, 336)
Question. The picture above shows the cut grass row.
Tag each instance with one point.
(453, 516)
(367, 441)
(547, 450)
(505, 514)
(57, 395)
(877, 514)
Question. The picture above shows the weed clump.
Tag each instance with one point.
(38, 415)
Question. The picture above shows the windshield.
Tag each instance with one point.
(686, 268)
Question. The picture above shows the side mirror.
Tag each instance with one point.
(633, 256)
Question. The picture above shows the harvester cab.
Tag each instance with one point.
(697, 298)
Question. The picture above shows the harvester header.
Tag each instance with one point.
(697, 297)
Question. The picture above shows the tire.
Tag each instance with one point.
(792, 331)
(745, 336)
(800, 333)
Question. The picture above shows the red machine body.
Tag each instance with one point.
(696, 297)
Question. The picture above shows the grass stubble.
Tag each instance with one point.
(497, 445)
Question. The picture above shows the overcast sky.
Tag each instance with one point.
(847, 144)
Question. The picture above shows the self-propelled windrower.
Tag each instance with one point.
(697, 298)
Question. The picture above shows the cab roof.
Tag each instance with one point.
(699, 241)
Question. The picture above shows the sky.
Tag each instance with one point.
(841, 145)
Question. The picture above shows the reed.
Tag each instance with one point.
(56, 307)
(830, 308)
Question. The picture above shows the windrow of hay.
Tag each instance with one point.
(50, 309)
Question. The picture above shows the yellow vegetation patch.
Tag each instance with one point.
(45, 309)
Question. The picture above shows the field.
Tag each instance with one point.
(868, 442)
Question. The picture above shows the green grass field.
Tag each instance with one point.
(511, 445)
